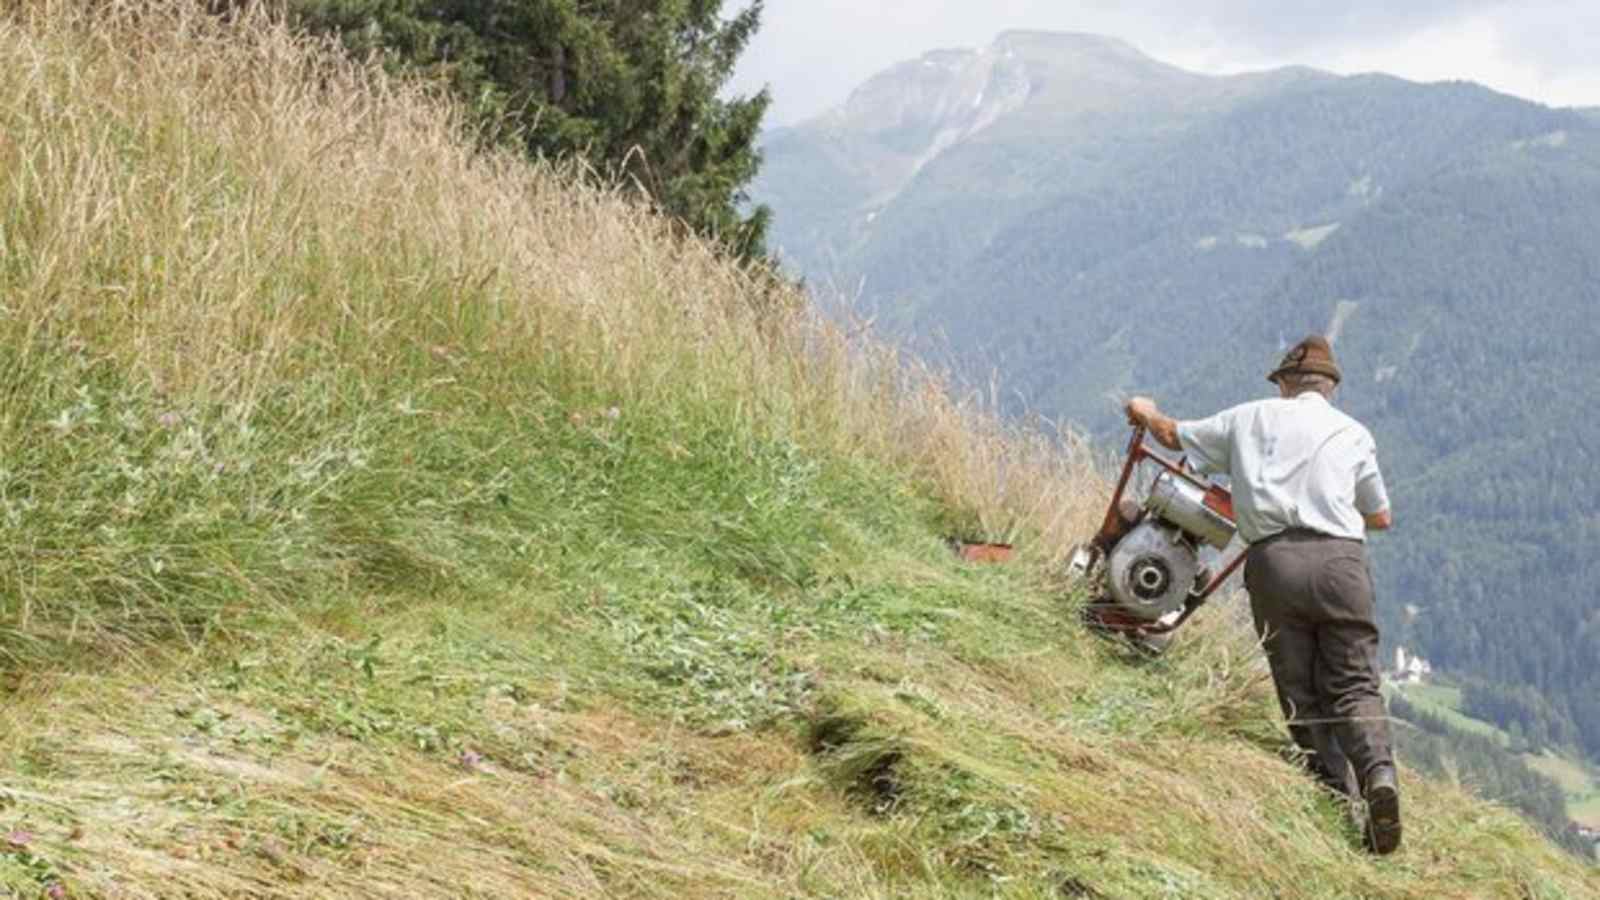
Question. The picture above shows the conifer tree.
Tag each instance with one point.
(631, 85)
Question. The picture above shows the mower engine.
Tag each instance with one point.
(1146, 557)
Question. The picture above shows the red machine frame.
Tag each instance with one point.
(1218, 499)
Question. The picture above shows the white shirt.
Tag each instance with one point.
(1295, 463)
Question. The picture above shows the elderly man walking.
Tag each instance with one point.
(1306, 490)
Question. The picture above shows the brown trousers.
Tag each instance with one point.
(1312, 600)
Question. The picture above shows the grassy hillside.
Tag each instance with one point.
(1445, 702)
(1575, 778)
(387, 519)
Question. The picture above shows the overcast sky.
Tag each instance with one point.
(811, 53)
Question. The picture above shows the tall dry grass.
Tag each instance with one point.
(228, 249)
(223, 207)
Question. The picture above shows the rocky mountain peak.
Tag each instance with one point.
(969, 89)
(1069, 42)
(944, 88)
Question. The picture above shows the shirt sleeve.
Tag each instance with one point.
(1371, 495)
(1208, 442)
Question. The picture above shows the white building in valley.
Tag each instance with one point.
(1592, 835)
(1409, 668)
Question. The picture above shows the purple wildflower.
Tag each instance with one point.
(19, 839)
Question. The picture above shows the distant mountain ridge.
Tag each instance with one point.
(835, 175)
(1131, 227)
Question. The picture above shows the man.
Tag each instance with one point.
(1306, 489)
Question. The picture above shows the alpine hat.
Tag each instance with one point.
(1311, 356)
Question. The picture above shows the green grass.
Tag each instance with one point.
(1586, 811)
(1573, 778)
(1576, 780)
(1440, 695)
(1444, 701)
(385, 518)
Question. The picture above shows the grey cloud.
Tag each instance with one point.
(1549, 35)
(813, 52)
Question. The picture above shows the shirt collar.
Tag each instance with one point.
(1313, 395)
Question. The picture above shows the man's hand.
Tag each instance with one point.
(1139, 410)
(1381, 520)
(1143, 411)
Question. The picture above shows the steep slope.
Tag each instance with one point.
(385, 518)
(1384, 212)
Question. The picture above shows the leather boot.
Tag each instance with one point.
(1382, 794)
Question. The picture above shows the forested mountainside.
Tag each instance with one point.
(1130, 228)
(1468, 310)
